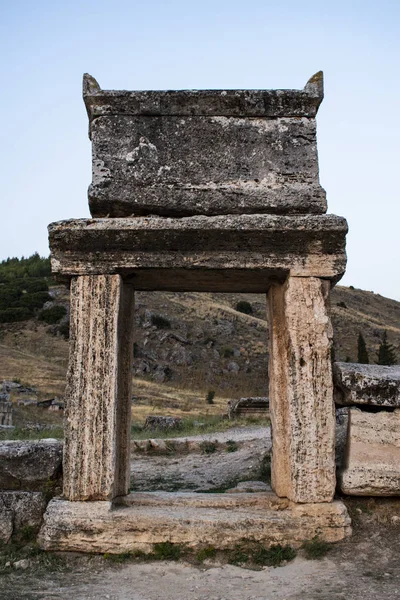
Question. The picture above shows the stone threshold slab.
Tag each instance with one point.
(139, 520)
(150, 248)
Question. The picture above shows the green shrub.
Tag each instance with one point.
(231, 446)
(34, 300)
(64, 330)
(227, 352)
(250, 552)
(11, 315)
(208, 447)
(166, 551)
(244, 307)
(9, 296)
(160, 322)
(33, 285)
(34, 266)
(205, 553)
(316, 548)
(273, 556)
(210, 397)
(53, 314)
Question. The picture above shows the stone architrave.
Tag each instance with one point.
(372, 461)
(98, 394)
(301, 390)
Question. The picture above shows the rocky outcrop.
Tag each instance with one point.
(372, 385)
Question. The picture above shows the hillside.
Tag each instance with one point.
(191, 343)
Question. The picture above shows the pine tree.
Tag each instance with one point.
(363, 357)
(386, 353)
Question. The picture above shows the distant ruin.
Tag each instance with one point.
(199, 191)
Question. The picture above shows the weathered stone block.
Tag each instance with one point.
(372, 463)
(204, 152)
(255, 405)
(301, 391)
(176, 166)
(98, 393)
(232, 253)
(374, 385)
(5, 411)
(18, 509)
(196, 520)
(29, 465)
(154, 422)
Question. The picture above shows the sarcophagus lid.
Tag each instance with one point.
(204, 152)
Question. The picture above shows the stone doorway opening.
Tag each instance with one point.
(200, 409)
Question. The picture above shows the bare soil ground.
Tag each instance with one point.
(219, 461)
(364, 567)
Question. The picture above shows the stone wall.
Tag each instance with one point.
(30, 474)
(370, 465)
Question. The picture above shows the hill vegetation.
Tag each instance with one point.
(184, 342)
(24, 285)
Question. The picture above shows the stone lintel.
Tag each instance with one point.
(98, 394)
(373, 385)
(252, 103)
(301, 390)
(151, 249)
(372, 460)
(194, 520)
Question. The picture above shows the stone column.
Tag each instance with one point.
(301, 390)
(98, 392)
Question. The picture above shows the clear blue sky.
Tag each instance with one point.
(45, 46)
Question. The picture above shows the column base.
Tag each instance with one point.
(137, 521)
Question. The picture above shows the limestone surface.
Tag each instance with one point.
(196, 520)
(29, 465)
(18, 509)
(174, 166)
(204, 152)
(229, 103)
(374, 385)
(98, 392)
(301, 391)
(372, 463)
(232, 253)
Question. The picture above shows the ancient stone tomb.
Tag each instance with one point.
(199, 191)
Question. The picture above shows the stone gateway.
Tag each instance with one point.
(199, 191)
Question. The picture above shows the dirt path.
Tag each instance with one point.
(236, 434)
(365, 567)
(246, 459)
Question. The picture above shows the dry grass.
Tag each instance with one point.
(168, 400)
